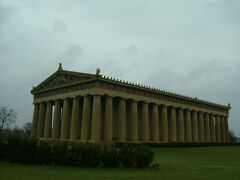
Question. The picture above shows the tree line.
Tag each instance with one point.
(8, 124)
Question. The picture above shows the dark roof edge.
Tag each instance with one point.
(157, 90)
(134, 85)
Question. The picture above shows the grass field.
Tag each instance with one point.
(213, 163)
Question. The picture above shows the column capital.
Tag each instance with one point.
(144, 102)
(67, 98)
(58, 100)
(211, 114)
(76, 97)
(108, 96)
(163, 105)
(123, 98)
(96, 94)
(43, 102)
(50, 101)
(200, 112)
(153, 103)
(179, 108)
(86, 95)
(133, 100)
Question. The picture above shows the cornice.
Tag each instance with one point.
(162, 92)
(140, 89)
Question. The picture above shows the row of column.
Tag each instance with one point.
(91, 119)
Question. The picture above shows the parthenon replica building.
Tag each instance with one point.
(91, 108)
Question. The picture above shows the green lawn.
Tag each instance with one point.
(213, 163)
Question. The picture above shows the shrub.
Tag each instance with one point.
(59, 153)
(73, 155)
(3, 147)
(126, 155)
(27, 149)
(143, 156)
(90, 156)
(13, 148)
(43, 153)
(110, 157)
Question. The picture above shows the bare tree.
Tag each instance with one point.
(232, 136)
(27, 127)
(7, 117)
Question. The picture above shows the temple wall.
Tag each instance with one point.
(105, 116)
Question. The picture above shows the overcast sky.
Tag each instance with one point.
(189, 47)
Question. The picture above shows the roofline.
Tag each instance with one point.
(64, 72)
(155, 90)
(130, 84)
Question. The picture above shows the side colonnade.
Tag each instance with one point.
(106, 119)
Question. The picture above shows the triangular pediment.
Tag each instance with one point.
(62, 78)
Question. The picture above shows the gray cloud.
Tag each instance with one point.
(72, 53)
(132, 49)
(6, 12)
(59, 27)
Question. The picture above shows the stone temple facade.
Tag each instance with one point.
(90, 108)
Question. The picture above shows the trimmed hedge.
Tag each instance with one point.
(90, 156)
(13, 148)
(2, 148)
(143, 156)
(27, 150)
(43, 153)
(135, 156)
(23, 150)
(110, 157)
(126, 155)
(59, 152)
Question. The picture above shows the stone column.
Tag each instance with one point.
(57, 120)
(195, 127)
(212, 129)
(145, 122)
(180, 123)
(41, 119)
(207, 127)
(164, 124)
(223, 132)
(108, 120)
(75, 124)
(226, 129)
(155, 123)
(201, 128)
(134, 122)
(65, 126)
(86, 118)
(217, 127)
(96, 119)
(35, 120)
(173, 126)
(122, 120)
(48, 121)
(188, 126)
